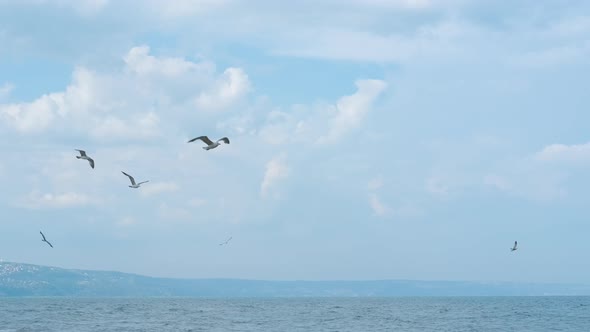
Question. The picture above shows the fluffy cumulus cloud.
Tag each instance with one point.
(124, 105)
(232, 86)
(144, 105)
(320, 123)
(351, 110)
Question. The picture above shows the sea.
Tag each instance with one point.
(297, 314)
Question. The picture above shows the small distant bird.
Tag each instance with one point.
(45, 240)
(85, 157)
(226, 241)
(133, 184)
(514, 248)
(210, 144)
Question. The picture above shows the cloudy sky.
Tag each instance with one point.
(373, 139)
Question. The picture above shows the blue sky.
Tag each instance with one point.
(400, 139)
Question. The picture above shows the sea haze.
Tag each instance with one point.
(18, 280)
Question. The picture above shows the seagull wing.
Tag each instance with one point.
(91, 161)
(202, 138)
(515, 244)
(49, 244)
(223, 139)
(143, 182)
(130, 178)
(42, 236)
(82, 152)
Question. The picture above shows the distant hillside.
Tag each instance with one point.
(32, 280)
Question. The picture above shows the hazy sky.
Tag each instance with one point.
(370, 139)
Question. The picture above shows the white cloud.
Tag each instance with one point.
(30, 117)
(350, 110)
(139, 61)
(375, 183)
(276, 170)
(230, 87)
(5, 90)
(146, 126)
(38, 200)
(531, 178)
(288, 127)
(128, 104)
(379, 209)
(155, 188)
(320, 123)
(530, 183)
(440, 40)
(562, 152)
(86, 94)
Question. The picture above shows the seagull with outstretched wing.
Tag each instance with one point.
(85, 157)
(514, 248)
(45, 240)
(210, 144)
(133, 183)
(226, 241)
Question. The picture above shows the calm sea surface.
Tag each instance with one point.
(300, 314)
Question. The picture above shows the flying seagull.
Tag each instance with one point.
(45, 240)
(85, 157)
(133, 184)
(226, 241)
(210, 144)
(514, 248)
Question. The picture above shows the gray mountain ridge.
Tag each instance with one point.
(27, 280)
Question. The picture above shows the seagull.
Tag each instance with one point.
(85, 157)
(133, 184)
(226, 241)
(514, 248)
(45, 240)
(210, 144)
